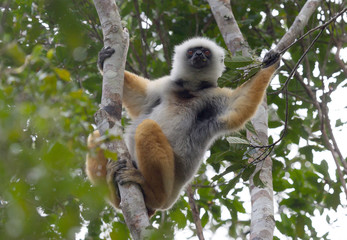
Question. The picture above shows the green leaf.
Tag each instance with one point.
(119, 231)
(49, 84)
(231, 184)
(204, 219)
(339, 123)
(237, 140)
(238, 206)
(77, 94)
(58, 156)
(237, 61)
(299, 226)
(63, 74)
(15, 52)
(285, 225)
(50, 53)
(322, 168)
(110, 155)
(216, 211)
(333, 200)
(248, 172)
(280, 185)
(257, 181)
(37, 51)
(250, 127)
(231, 168)
(178, 217)
(275, 124)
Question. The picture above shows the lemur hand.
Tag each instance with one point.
(271, 58)
(104, 53)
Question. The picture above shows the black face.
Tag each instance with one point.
(199, 57)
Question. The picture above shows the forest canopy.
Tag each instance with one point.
(50, 89)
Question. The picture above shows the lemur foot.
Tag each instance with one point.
(125, 174)
(104, 53)
(271, 58)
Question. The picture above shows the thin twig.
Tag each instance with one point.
(297, 64)
(195, 212)
(324, 120)
(286, 94)
(142, 40)
(163, 38)
(338, 58)
(322, 26)
(285, 85)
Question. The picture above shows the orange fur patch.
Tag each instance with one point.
(156, 163)
(247, 98)
(96, 162)
(134, 93)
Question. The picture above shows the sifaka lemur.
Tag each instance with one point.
(176, 118)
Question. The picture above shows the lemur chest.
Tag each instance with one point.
(186, 106)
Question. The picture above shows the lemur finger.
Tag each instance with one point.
(120, 164)
(126, 175)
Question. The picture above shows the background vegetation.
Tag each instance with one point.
(50, 89)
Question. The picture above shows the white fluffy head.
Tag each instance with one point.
(182, 70)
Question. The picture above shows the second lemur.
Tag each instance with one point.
(176, 118)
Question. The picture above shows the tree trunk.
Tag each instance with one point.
(262, 215)
(109, 116)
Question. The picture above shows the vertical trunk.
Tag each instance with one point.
(262, 215)
(108, 118)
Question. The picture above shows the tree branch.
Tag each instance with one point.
(298, 25)
(163, 38)
(324, 124)
(291, 41)
(322, 114)
(195, 212)
(338, 59)
(227, 24)
(143, 39)
(108, 118)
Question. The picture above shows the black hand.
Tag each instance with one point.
(105, 53)
(270, 58)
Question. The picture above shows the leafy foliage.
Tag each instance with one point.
(50, 89)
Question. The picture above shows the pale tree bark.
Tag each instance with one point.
(227, 24)
(298, 25)
(262, 214)
(108, 118)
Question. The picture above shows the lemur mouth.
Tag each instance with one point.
(199, 62)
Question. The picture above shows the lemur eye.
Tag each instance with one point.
(207, 53)
(190, 52)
